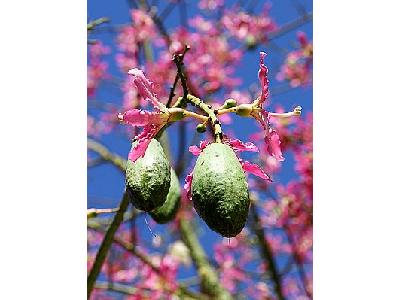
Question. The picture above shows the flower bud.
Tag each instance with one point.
(201, 128)
(229, 103)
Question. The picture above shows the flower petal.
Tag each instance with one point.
(142, 142)
(188, 185)
(137, 117)
(274, 145)
(145, 87)
(238, 146)
(254, 169)
(262, 76)
(196, 150)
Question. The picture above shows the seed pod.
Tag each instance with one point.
(219, 190)
(168, 210)
(148, 178)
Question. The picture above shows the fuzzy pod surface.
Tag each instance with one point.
(148, 178)
(220, 191)
(168, 210)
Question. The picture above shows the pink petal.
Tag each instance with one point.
(137, 117)
(274, 145)
(262, 76)
(301, 36)
(254, 169)
(203, 144)
(145, 87)
(188, 185)
(143, 141)
(195, 150)
(239, 146)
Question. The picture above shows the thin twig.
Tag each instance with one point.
(290, 26)
(298, 262)
(94, 212)
(116, 287)
(266, 251)
(106, 154)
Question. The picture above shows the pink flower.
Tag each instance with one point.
(298, 63)
(151, 122)
(261, 115)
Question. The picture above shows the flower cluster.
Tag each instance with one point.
(249, 28)
(97, 68)
(297, 67)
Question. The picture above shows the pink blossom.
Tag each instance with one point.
(152, 122)
(263, 117)
(252, 29)
(97, 68)
(145, 88)
(210, 4)
(298, 63)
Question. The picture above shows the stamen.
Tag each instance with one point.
(295, 113)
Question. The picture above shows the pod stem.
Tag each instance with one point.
(215, 123)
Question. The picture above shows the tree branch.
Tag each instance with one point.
(106, 244)
(145, 259)
(208, 276)
(105, 154)
(266, 251)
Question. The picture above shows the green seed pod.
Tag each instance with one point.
(219, 190)
(201, 128)
(168, 210)
(148, 178)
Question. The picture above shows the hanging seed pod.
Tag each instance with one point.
(148, 178)
(168, 210)
(219, 190)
